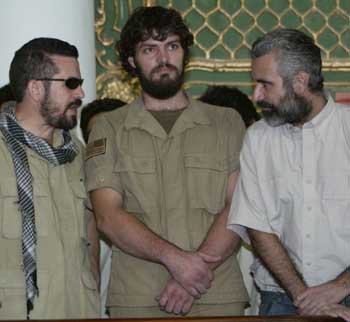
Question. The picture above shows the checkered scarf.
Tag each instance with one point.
(16, 139)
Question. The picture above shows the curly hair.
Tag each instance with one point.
(33, 60)
(151, 22)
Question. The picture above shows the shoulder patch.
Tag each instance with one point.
(95, 148)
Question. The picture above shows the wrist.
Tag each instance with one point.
(168, 255)
(297, 289)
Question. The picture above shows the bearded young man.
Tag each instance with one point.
(45, 271)
(293, 194)
(161, 172)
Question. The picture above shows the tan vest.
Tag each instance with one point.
(175, 184)
(66, 285)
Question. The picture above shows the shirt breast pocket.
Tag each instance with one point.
(11, 215)
(335, 194)
(206, 181)
(139, 181)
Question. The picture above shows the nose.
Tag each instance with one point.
(258, 93)
(163, 55)
(79, 92)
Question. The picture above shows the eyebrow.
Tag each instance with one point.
(264, 81)
(147, 45)
(151, 44)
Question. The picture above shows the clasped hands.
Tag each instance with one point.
(191, 277)
(321, 299)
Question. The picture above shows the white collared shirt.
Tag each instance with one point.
(295, 183)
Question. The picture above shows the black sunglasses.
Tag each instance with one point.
(71, 82)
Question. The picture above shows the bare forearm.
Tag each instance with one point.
(220, 241)
(343, 280)
(276, 259)
(129, 234)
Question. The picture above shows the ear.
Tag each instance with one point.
(301, 82)
(132, 61)
(35, 90)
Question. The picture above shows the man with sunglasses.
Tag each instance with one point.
(161, 172)
(45, 228)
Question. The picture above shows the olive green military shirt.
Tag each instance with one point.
(174, 183)
(67, 289)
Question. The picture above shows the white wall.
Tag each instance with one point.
(69, 20)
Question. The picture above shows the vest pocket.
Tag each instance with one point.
(13, 294)
(10, 212)
(11, 222)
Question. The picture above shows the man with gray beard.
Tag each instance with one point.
(46, 232)
(293, 195)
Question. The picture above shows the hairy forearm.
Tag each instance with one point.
(220, 241)
(274, 256)
(343, 280)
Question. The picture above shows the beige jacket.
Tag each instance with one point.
(66, 286)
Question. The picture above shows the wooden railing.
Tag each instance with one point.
(213, 319)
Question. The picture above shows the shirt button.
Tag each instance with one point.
(101, 178)
(309, 208)
(308, 263)
(308, 181)
(308, 235)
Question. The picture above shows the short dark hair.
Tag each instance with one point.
(96, 107)
(234, 98)
(33, 61)
(151, 22)
(294, 52)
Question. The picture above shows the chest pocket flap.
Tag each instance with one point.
(207, 177)
(127, 163)
(138, 181)
(10, 215)
(205, 161)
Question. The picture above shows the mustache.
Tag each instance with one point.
(160, 66)
(264, 104)
(75, 104)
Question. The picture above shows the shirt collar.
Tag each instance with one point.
(323, 115)
(139, 117)
(316, 122)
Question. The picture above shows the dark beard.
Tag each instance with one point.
(293, 109)
(59, 121)
(163, 88)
